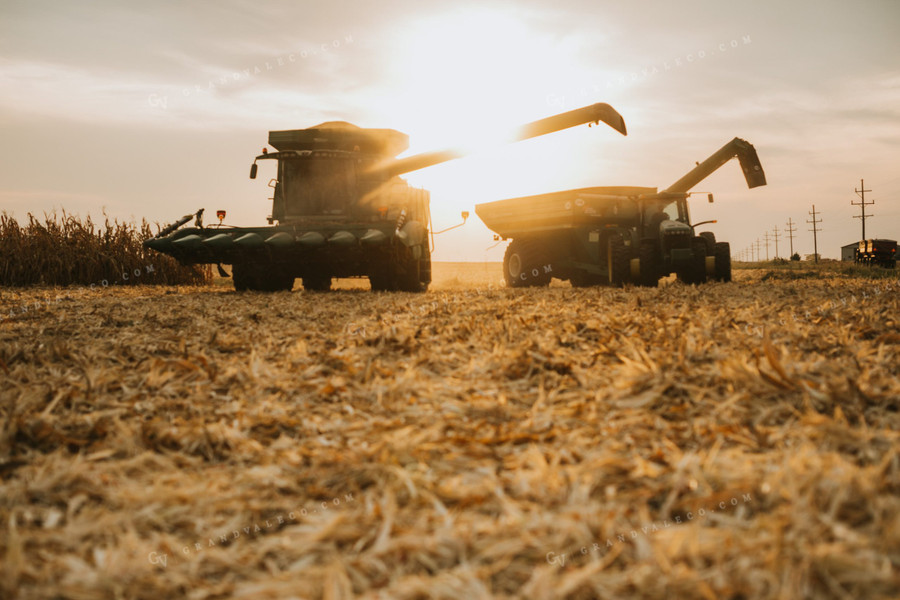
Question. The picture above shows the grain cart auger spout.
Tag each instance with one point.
(340, 209)
(746, 155)
(616, 235)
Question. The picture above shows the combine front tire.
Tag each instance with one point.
(413, 276)
(406, 274)
(523, 265)
(260, 278)
(723, 261)
(318, 283)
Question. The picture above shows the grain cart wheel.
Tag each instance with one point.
(523, 265)
(723, 261)
(317, 283)
(649, 258)
(618, 260)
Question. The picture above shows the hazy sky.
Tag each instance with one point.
(156, 110)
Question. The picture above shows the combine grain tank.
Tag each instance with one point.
(615, 235)
(339, 209)
(878, 252)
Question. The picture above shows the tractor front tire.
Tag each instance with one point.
(619, 262)
(649, 261)
(695, 272)
(723, 262)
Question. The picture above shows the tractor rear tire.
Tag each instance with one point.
(710, 239)
(723, 262)
(524, 265)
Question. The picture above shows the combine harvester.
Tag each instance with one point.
(615, 235)
(339, 209)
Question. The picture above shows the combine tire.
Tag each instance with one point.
(318, 283)
(723, 262)
(409, 275)
(618, 260)
(649, 258)
(523, 265)
(260, 278)
(381, 281)
(412, 276)
(242, 277)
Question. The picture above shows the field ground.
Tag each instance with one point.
(725, 441)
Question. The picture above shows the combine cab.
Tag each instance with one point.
(339, 209)
(615, 235)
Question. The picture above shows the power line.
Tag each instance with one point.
(862, 204)
(790, 231)
(776, 241)
(767, 245)
(815, 231)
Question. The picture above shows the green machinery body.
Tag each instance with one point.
(339, 209)
(615, 235)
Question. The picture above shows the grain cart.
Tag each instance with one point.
(615, 235)
(879, 252)
(339, 209)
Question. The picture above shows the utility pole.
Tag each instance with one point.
(862, 204)
(815, 230)
(776, 242)
(757, 249)
(790, 231)
(767, 245)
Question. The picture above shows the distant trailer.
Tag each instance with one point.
(882, 253)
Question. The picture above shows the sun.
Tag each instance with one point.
(470, 72)
(467, 79)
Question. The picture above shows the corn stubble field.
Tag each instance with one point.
(724, 441)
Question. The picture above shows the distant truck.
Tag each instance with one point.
(616, 235)
(877, 252)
